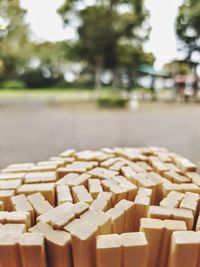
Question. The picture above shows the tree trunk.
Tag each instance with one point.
(98, 72)
(115, 80)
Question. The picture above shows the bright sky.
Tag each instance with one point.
(47, 25)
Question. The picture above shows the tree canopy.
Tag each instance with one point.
(188, 26)
(107, 29)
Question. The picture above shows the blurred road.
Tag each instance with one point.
(35, 129)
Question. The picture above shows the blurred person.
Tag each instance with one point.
(152, 88)
(195, 86)
(180, 83)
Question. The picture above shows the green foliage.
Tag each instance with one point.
(188, 25)
(112, 100)
(13, 84)
(105, 31)
(14, 46)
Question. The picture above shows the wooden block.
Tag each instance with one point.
(58, 163)
(131, 154)
(80, 194)
(118, 193)
(158, 234)
(136, 167)
(9, 250)
(65, 160)
(59, 217)
(158, 181)
(20, 217)
(60, 220)
(84, 246)
(197, 227)
(129, 174)
(169, 227)
(5, 196)
(88, 155)
(41, 168)
(141, 206)
(10, 184)
(13, 228)
(99, 204)
(173, 168)
(94, 187)
(102, 173)
(175, 177)
(108, 251)
(79, 167)
(68, 153)
(100, 220)
(58, 245)
(129, 188)
(145, 166)
(71, 226)
(163, 213)
(20, 165)
(191, 202)
(50, 214)
(107, 184)
(106, 196)
(182, 188)
(194, 176)
(63, 171)
(134, 249)
(80, 180)
(46, 189)
(118, 220)
(14, 168)
(185, 165)
(40, 177)
(63, 194)
(21, 203)
(117, 165)
(172, 200)
(184, 250)
(128, 208)
(32, 250)
(164, 157)
(79, 208)
(109, 162)
(1, 206)
(12, 176)
(66, 178)
(157, 164)
(39, 203)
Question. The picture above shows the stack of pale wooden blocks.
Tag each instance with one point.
(121, 207)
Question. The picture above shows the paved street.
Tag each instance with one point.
(32, 129)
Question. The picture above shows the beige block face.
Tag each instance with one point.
(58, 245)
(135, 249)
(9, 249)
(184, 250)
(32, 250)
(109, 251)
(83, 246)
(13, 228)
(154, 232)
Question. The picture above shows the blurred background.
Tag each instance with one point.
(98, 73)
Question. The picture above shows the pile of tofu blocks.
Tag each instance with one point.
(120, 207)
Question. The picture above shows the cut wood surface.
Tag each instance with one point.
(115, 207)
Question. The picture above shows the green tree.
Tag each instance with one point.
(103, 28)
(14, 46)
(188, 26)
